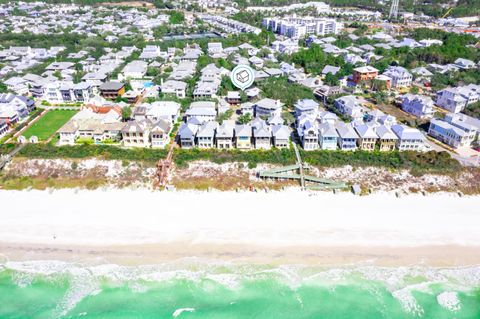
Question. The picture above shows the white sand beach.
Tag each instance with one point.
(305, 225)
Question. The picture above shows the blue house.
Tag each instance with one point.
(328, 136)
(347, 137)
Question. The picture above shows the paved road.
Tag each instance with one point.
(464, 160)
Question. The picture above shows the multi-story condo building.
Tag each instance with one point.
(464, 122)
(451, 134)
(66, 92)
(299, 27)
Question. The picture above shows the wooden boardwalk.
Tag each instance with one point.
(5, 159)
(297, 172)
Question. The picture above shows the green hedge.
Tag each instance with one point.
(416, 162)
(85, 151)
(253, 157)
(6, 148)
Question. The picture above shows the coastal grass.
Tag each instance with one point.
(107, 152)
(48, 124)
(417, 163)
(43, 183)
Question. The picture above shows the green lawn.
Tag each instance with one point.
(49, 124)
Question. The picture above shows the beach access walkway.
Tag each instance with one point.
(5, 159)
(297, 172)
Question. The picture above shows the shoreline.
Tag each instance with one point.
(144, 227)
(441, 256)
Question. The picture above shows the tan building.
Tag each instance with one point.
(387, 140)
(364, 74)
(368, 137)
(243, 136)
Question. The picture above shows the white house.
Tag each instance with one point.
(268, 107)
(400, 76)
(418, 105)
(177, 88)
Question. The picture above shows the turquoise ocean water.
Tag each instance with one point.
(199, 289)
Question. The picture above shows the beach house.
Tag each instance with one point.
(347, 137)
(224, 135)
(262, 134)
(281, 136)
(174, 87)
(387, 140)
(328, 136)
(306, 106)
(450, 134)
(243, 136)
(367, 137)
(186, 135)
(307, 131)
(206, 134)
(400, 77)
(418, 105)
(268, 107)
(409, 138)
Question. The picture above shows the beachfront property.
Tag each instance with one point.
(307, 131)
(224, 135)
(262, 134)
(409, 138)
(367, 137)
(206, 134)
(328, 136)
(243, 136)
(347, 137)
(387, 140)
(280, 136)
(98, 124)
(420, 106)
(146, 133)
(451, 135)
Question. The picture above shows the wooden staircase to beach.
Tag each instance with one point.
(163, 168)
